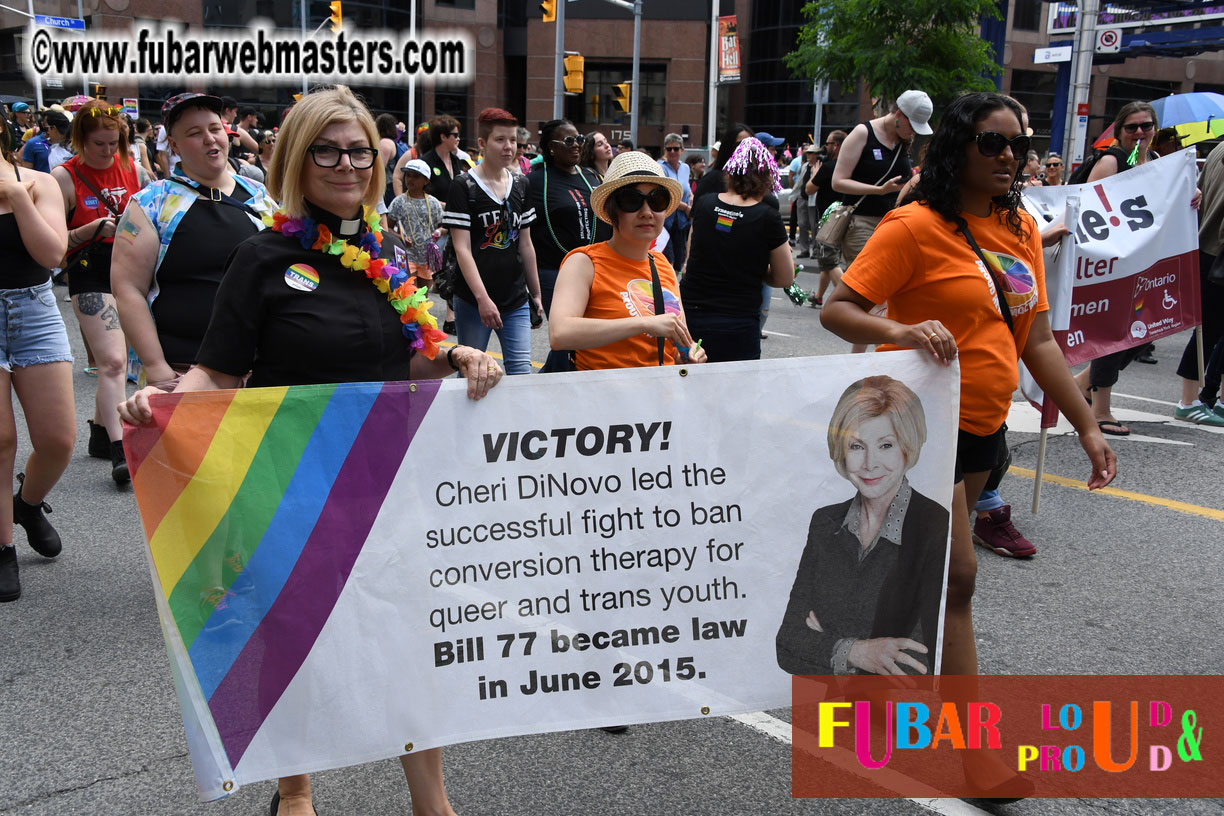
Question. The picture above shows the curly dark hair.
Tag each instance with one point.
(939, 184)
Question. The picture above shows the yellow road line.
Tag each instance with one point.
(1172, 504)
(493, 354)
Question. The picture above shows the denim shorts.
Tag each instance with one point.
(33, 330)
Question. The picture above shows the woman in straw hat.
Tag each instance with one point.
(617, 302)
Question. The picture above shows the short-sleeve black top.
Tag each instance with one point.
(494, 227)
(730, 256)
(272, 319)
(565, 221)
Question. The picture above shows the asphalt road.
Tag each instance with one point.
(89, 723)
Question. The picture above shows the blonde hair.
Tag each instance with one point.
(873, 397)
(317, 111)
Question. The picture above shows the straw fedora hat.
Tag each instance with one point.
(632, 167)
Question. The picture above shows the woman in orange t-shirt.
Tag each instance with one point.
(604, 302)
(943, 263)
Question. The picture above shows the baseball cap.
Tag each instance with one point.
(20, 107)
(917, 107)
(769, 140)
(417, 166)
(173, 107)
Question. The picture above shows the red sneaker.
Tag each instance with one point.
(996, 532)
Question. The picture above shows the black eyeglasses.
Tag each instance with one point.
(571, 141)
(454, 135)
(1137, 126)
(327, 156)
(991, 144)
(1053, 164)
(673, 148)
(629, 199)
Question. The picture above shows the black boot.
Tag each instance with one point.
(10, 584)
(39, 532)
(119, 468)
(99, 441)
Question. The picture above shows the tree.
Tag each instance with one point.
(930, 45)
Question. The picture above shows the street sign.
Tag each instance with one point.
(53, 82)
(1080, 135)
(1059, 53)
(1109, 41)
(74, 23)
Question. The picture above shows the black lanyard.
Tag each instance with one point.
(1004, 309)
(656, 289)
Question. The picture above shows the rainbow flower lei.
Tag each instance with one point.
(401, 290)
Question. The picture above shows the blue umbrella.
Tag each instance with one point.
(1179, 109)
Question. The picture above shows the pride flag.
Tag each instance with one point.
(256, 503)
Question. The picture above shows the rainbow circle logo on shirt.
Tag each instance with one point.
(302, 277)
(638, 296)
(1019, 286)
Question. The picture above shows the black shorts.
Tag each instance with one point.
(92, 277)
(979, 454)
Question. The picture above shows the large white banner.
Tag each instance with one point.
(1131, 265)
(346, 573)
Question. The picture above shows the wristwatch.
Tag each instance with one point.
(450, 357)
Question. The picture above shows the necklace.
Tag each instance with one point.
(548, 218)
(420, 327)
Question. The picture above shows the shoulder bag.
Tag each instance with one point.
(836, 219)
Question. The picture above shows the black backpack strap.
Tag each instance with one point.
(215, 195)
(656, 288)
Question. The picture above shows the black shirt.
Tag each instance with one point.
(439, 179)
(494, 227)
(274, 322)
(892, 590)
(712, 182)
(569, 221)
(18, 269)
(825, 194)
(874, 163)
(730, 256)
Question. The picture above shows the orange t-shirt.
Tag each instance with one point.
(622, 288)
(924, 269)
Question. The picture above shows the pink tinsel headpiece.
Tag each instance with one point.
(750, 154)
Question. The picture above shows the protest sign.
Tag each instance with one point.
(1134, 258)
(348, 573)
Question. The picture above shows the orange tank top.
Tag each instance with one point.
(622, 288)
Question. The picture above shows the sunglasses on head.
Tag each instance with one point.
(1137, 126)
(571, 141)
(991, 144)
(629, 199)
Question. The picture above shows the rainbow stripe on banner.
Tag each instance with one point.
(256, 504)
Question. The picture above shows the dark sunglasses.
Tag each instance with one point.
(991, 144)
(673, 148)
(571, 141)
(629, 199)
(1053, 164)
(454, 135)
(327, 156)
(1136, 126)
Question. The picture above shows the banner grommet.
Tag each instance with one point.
(705, 710)
(684, 372)
(227, 785)
(407, 747)
(412, 388)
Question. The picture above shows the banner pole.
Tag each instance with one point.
(1041, 453)
(1198, 342)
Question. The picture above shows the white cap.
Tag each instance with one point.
(417, 166)
(917, 107)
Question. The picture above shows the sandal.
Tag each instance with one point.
(92, 371)
(1113, 427)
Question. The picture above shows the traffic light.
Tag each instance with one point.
(573, 74)
(337, 19)
(549, 8)
(99, 91)
(621, 96)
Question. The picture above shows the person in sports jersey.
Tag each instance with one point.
(959, 267)
(173, 241)
(96, 185)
